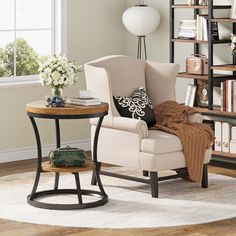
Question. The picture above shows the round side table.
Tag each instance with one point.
(39, 110)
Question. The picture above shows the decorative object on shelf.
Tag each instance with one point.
(232, 45)
(63, 157)
(201, 2)
(190, 2)
(202, 93)
(233, 10)
(141, 20)
(197, 64)
(55, 101)
(58, 73)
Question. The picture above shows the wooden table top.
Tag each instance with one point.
(39, 107)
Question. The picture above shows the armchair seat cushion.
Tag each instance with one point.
(159, 142)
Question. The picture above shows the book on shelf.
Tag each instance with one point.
(228, 96)
(83, 101)
(190, 95)
(232, 143)
(202, 23)
(225, 136)
(218, 137)
(187, 29)
(233, 133)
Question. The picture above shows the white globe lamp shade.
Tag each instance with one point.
(141, 20)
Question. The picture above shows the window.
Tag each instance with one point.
(30, 31)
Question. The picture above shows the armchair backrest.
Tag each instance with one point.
(125, 73)
(160, 81)
(122, 75)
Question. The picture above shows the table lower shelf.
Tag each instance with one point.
(99, 197)
(46, 166)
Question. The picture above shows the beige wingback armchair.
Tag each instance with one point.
(126, 141)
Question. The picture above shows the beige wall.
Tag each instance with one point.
(94, 30)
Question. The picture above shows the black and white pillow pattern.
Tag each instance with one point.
(138, 106)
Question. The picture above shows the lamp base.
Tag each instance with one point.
(141, 39)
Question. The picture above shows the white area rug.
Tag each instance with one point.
(130, 204)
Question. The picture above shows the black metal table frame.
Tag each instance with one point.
(31, 198)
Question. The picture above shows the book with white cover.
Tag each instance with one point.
(230, 108)
(205, 28)
(199, 28)
(232, 148)
(225, 136)
(83, 101)
(221, 96)
(233, 10)
(192, 96)
(218, 137)
(187, 98)
(233, 133)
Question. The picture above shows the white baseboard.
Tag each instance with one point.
(18, 154)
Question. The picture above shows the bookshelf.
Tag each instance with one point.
(212, 76)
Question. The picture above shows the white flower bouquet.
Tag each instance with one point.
(232, 45)
(58, 72)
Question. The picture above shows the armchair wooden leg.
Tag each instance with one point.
(145, 173)
(205, 176)
(154, 184)
(94, 179)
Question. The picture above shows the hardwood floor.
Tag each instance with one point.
(11, 228)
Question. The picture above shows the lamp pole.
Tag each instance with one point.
(139, 52)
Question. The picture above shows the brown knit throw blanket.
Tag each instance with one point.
(172, 117)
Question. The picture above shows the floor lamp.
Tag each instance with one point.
(141, 20)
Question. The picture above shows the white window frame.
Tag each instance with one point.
(59, 44)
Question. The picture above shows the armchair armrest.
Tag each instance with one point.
(125, 124)
(197, 118)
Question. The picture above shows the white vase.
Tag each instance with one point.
(233, 10)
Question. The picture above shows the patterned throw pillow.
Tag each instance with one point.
(138, 106)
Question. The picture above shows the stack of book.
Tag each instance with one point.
(202, 28)
(228, 95)
(83, 101)
(187, 29)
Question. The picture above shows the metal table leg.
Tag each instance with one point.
(39, 161)
(97, 166)
(77, 181)
(58, 144)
